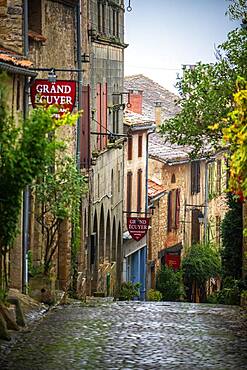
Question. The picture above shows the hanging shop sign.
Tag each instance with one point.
(61, 93)
(138, 227)
(173, 260)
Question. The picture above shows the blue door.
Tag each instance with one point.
(136, 269)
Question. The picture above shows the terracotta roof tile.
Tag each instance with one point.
(15, 59)
(154, 189)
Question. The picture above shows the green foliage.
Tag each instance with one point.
(129, 290)
(33, 270)
(3, 295)
(235, 134)
(170, 284)
(27, 149)
(207, 96)
(237, 9)
(231, 230)
(59, 190)
(230, 293)
(154, 295)
(202, 261)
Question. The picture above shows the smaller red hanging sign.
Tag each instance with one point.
(138, 227)
(61, 93)
(173, 260)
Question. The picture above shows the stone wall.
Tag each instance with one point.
(11, 25)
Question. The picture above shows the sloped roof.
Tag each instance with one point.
(153, 92)
(135, 120)
(154, 189)
(166, 152)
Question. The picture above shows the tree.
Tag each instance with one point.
(237, 9)
(25, 151)
(170, 284)
(235, 134)
(59, 191)
(201, 262)
(232, 238)
(206, 96)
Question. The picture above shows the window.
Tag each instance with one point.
(34, 16)
(195, 177)
(130, 146)
(173, 210)
(102, 17)
(140, 146)
(102, 115)
(129, 192)
(173, 179)
(139, 190)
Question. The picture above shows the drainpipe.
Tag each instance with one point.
(26, 195)
(79, 89)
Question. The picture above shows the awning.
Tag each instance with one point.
(174, 249)
(17, 70)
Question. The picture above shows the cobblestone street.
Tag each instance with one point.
(131, 336)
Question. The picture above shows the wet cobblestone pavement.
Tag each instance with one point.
(133, 335)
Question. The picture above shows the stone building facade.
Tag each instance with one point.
(192, 207)
(105, 47)
(84, 41)
(137, 128)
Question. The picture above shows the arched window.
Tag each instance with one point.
(173, 180)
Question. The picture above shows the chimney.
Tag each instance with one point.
(135, 101)
(157, 112)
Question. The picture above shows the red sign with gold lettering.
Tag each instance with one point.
(138, 227)
(61, 93)
(173, 260)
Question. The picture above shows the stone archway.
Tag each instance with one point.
(93, 255)
(108, 238)
(114, 242)
(102, 235)
(119, 255)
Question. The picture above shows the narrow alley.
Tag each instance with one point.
(133, 335)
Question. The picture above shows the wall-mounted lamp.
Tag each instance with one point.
(52, 77)
(201, 217)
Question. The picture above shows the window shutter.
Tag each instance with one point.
(139, 190)
(198, 177)
(169, 210)
(99, 115)
(129, 191)
(177, 214)
(192, 177)
(140, 146)
(130, 145)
